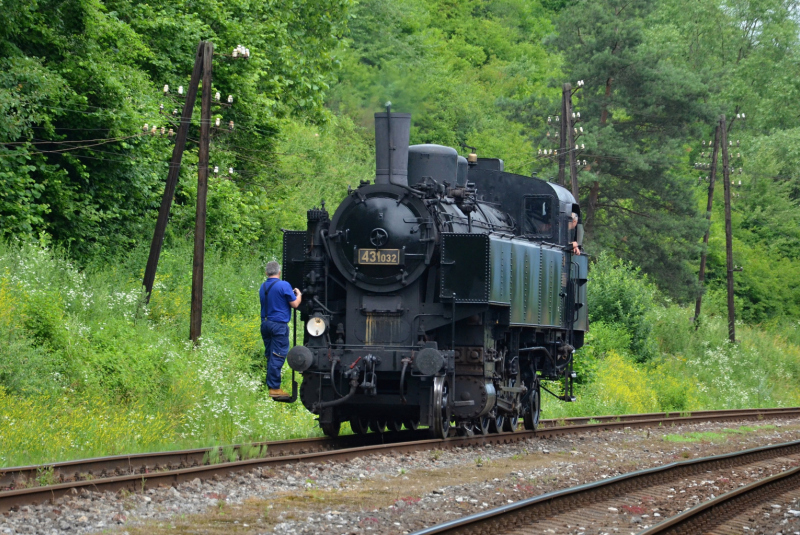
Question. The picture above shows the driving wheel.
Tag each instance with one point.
(359, 425)
(496, 423)
(441, 408)
(377, 425)
(531, 417)
(331, 429)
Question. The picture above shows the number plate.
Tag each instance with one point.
(378, 257)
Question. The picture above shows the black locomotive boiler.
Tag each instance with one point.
(440, 295)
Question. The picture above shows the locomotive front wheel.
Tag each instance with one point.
(331, 429)
(483, 425)
(510, 424)
(531, 418)
(441, 408)
(497, 423)
(359, 425)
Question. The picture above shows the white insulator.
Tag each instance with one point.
(235, 53)
(216, 123)
(180, 90)
(230, 170)
(579, 115)
(580, 128)
(230, 125)
(549, 119)
(171, 132)
(230, 99)
(146, 127)
(217, 96)
(583, 146)
(216, 169)
(166, 88)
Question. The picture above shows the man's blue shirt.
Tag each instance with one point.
(275, 307)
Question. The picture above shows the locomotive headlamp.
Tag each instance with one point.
(316, 326)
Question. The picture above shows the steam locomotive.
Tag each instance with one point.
(440, 295)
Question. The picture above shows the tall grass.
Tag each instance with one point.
(679, 366)
(86, 368)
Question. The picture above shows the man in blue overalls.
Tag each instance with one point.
(277, 297)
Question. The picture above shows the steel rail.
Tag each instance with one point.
(287, 452)
(715, 512)
(144, 463)
(523, 513)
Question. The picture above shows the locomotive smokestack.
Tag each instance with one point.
(391, 147)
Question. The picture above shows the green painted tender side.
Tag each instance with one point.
(529, 277)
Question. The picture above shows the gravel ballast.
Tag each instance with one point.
(397, 493)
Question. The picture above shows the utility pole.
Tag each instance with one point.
(566, 132)
(573, 148)
(172, 176)
(726, 176)
(711, 180)
(196, 321)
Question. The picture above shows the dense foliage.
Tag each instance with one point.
(81, 77)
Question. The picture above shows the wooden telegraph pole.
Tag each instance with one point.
(573, 148)
(712, 178)
(172, 176)
(566, 129)
(196, 321)
(726, 176)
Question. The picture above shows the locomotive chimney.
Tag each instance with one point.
(391, 147)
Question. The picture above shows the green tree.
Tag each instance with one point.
(638, 107)
(81, 77)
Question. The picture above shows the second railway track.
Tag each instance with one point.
(166, 468)
(678, 498)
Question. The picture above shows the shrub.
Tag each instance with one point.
(619, 293)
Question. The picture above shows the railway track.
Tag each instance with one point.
(735, 512)
(676, 498)
(36, 484)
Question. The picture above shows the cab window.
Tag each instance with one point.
(538, 216)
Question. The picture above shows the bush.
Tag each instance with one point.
(619, 293)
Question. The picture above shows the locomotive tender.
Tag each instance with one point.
(440, 295)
